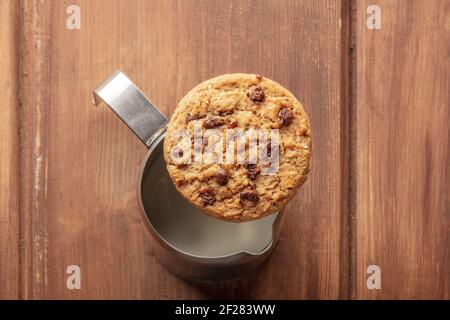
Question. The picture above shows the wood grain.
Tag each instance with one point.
(80, 163)
(379, 106)
(9, 152)
(402, 158)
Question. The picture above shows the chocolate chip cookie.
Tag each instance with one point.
(206, 129)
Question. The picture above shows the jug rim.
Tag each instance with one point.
(149, 226)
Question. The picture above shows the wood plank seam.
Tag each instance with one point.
(346, 138)
(34, 98)
(22, 243)
(352, 147)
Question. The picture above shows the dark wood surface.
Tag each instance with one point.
(377, 192)
(402, 182)
(9, 152)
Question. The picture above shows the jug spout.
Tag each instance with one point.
(132, 106)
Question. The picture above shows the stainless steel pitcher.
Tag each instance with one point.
(191, 244)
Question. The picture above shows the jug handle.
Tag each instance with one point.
(132, 106)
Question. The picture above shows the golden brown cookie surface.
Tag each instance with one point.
(238, 191)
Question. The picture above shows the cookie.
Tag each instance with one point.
(246, 189)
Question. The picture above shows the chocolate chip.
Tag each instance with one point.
(221, 176)
(232, 123)
(304, 132)
(204, 143)
(207, 197)
(178, 152)
(191, 117)
(213, 123)
(249, 194)
(271, 150)
(252, 171)
(238, 136)
(225, 112)
(286, 115)
(256, 94)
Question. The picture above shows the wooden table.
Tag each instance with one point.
(378, 99)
